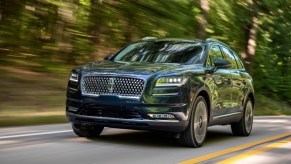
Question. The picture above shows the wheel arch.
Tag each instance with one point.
(204, 93)
(252, 97)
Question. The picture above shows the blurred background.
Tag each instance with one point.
(42, 40)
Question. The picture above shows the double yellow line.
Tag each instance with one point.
(253, 152)
(234, 149)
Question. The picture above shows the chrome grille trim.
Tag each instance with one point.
(123, 87)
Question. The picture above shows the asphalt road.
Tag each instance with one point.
(57, 144)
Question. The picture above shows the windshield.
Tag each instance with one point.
(161, 52)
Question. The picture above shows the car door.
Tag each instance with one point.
(240, 77)
(219, 84)
(237, 82)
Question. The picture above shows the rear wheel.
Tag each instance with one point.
(88, 131)
(244, 126)
(196, 131)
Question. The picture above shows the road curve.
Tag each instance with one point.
(49, 144)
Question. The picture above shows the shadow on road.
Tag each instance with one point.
(139, 138)
(156, 139)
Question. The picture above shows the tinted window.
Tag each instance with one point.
(238, 61)
(228, 56)
(208, 61)
(214, 53)
(161, 52)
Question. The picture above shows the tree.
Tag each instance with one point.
(251, 36)
(204, 8)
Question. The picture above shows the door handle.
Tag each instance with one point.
(228, 81)
(244, 82)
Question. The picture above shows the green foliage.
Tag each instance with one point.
(268, 106)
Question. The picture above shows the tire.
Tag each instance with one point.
(244, 126)
(90, 131)
(196, 132)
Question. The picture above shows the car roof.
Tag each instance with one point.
(170, 39)
(179, 40)
(206, 41)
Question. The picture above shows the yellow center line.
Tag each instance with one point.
(253, 152)
(234, 149)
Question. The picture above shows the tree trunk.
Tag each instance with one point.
(128, 27)
(251, 33)
(95, 28)
(202, 20)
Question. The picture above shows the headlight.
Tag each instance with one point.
(74, 77)
(171, 81)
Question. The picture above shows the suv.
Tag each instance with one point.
(172, 85)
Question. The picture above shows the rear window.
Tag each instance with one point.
(230, 57)
(239, 62)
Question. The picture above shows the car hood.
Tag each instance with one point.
(137, 68)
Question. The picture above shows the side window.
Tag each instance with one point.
(228, 56)
(208, 62)
(238, 61)
(213, 54)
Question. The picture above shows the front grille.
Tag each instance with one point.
(105, 85)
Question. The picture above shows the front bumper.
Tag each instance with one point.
(139, 124)
(133, 115)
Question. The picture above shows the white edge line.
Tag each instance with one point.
(34, 134)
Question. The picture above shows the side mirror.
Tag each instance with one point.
(220, 63)
(109, 57)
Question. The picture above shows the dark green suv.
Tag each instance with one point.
(173, 85)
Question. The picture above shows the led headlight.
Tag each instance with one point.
(74, 77)
(171, 81)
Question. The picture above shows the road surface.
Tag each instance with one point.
(270, 142)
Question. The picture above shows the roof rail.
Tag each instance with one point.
(212, 39)
(215, 40)
(149, 38)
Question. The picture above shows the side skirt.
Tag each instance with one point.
(226, 119)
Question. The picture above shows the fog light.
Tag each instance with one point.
(72, 109)
(163, 116)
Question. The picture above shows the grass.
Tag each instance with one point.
(16, 121)
(29, 98)
(267, 106)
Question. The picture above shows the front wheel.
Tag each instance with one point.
(90, 131)
(244, 126)
(196, 131)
